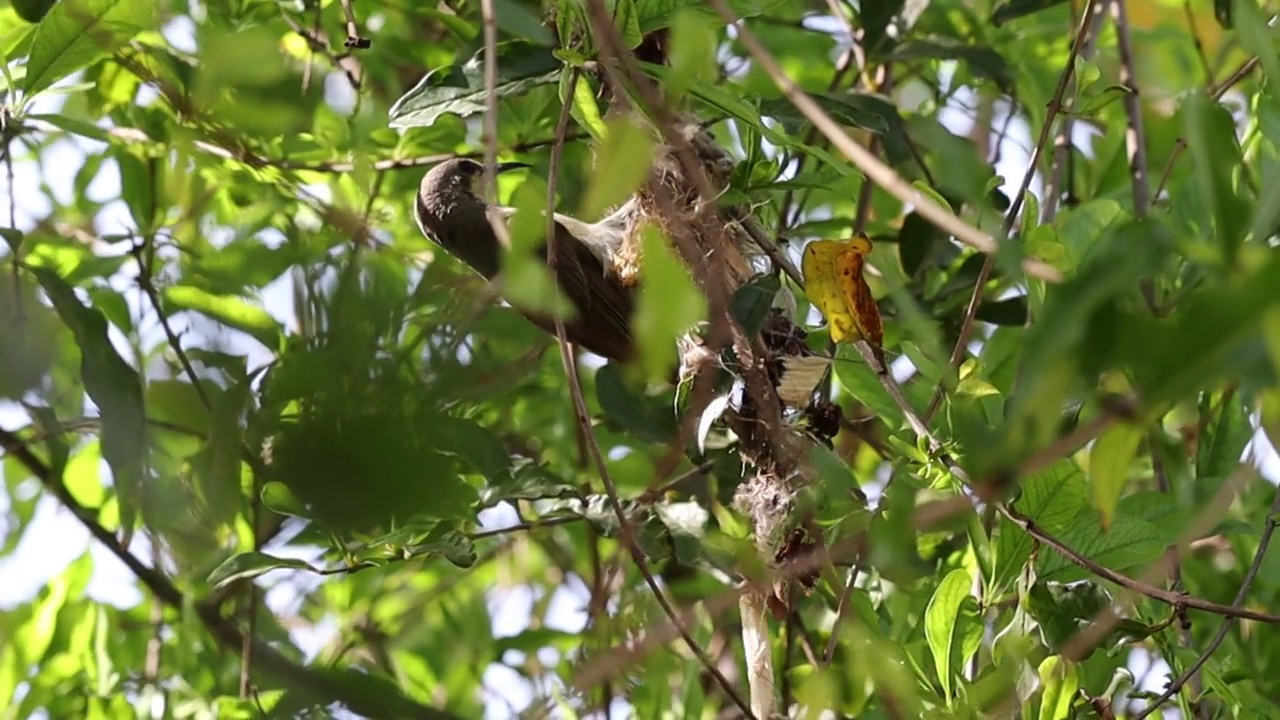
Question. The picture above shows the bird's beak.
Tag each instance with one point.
(506, 166)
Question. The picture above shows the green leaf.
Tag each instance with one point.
(472, 442)
(1019, 8)
(1128, 543)
(1172, 358)
(860, 110)
(1052, 499)
(229, 310)
(514, 19)
(1211, 138)
(459, 89)
(692, 54)
(723, 101)
(76, 33)
(1096, 102)
(528, 481)
(983, 61)
(1011, 311)
(622, 163)
(949, 625)
(138, 187)
(670, 304)
(627, 408)
(1109, 462)
(1224, 439)
(1063, 610)
(217, 465)
(113, 385)
(585, 108)
(753, 301)
(72, 125)
(654, 15)
(1059, 680)
(278, 498)
(251, 565)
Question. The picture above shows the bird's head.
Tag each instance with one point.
(459, 178)
(451, 211)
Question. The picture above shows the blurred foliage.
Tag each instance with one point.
(225, 345)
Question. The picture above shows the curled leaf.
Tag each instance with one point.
(834, 282)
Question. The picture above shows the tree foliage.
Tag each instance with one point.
(343, 478)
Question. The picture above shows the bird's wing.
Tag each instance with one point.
(605, 306)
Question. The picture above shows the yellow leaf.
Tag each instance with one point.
(834, 282)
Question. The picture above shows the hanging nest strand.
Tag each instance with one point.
(722, 257)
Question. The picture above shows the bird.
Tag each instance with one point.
(450, 212)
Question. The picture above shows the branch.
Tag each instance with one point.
(1172, 598)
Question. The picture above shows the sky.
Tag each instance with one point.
(54, 538)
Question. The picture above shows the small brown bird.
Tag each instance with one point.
(450, 212)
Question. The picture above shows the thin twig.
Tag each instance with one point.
(1194, 30)
(354, 39)
(1015, 205)
(841, 607)
(1134, 137)
(871, 166)
(149, 289)
(1062, 142)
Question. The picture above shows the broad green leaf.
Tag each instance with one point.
(1128, 543)
(983, 62)
(229, 310)
(621, 165)
(114, 387)
(753, 301)
(83, 477)
(1096, 102)
(1109, 462)
(515, 19)
(846, 110)
(1063, 610)
(947, 625)
(252, 564)
(77, 33)
(1052, 499)
(527, 481)
(31, 333)
(1014, 9)
(1171, 358)
(693, 47)
(629, 409)
(1059, 681)
(73, 125)
(585, 108)
(670, 304)
(1211, 138)
(654, 15)
(474, 443)
(459, 89)
(138, 187)
(217, 464)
